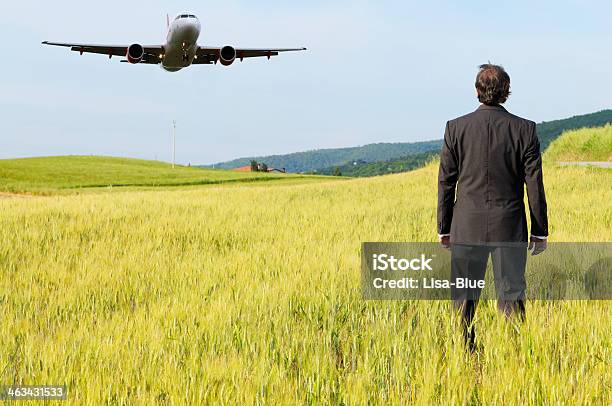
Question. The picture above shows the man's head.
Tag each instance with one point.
(492, 84)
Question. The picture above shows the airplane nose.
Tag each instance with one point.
(193, 30)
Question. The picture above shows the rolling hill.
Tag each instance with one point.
(586, 144)
(365, 169)
(315, 160)
(52, 174)
(548, 131)
(325, 160)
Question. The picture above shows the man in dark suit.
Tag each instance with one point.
(487, 157)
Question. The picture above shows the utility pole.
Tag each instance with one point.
(173, 142)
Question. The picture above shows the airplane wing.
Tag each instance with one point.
(151, 51)
(205, 55)
(211, 54)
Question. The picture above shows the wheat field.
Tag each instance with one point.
(251, 295)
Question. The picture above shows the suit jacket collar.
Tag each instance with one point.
(487, 107)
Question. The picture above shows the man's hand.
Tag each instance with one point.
(445, 241)
(537, 245)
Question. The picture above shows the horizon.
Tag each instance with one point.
(331, 96)
(386, 142)
(211, 164)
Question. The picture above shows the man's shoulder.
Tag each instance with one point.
(520, 120)
(462, 119)
(478, 115)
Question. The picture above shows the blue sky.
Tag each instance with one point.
(375, 71)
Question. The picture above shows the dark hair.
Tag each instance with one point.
(492, 84)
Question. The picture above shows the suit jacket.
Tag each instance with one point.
(487, 157)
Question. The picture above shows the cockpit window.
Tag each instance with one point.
(185, 16)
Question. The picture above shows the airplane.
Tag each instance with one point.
(180, 50)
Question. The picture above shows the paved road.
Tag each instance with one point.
(585, 163)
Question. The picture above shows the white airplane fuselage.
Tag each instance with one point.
(181, 43)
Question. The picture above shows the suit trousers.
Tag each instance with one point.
(470, 261)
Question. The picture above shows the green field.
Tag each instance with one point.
(73, 173)
(251, 295)
(587, 144)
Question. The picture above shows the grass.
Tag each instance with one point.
(248, 295)
(69, 174)
(587, 144)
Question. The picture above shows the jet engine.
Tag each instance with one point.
(227, 56)
(135, 53)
